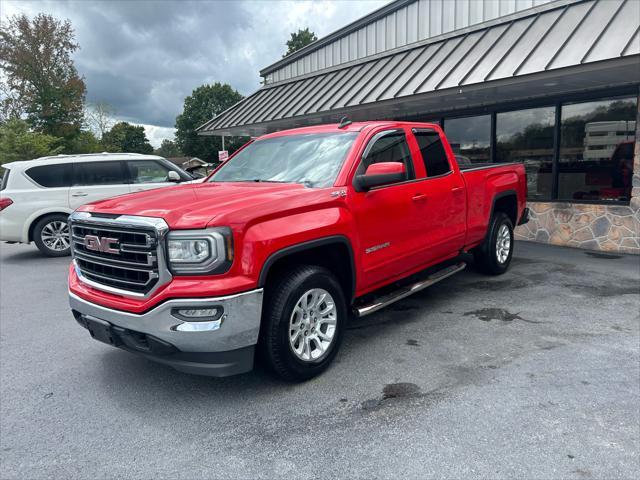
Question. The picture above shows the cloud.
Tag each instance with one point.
(144, 57)
(156, 134)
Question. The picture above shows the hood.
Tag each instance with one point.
(196, 205)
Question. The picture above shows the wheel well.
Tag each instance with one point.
(508, 204)
(335, 256)
(37, 219)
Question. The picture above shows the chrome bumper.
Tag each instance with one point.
(239, 327)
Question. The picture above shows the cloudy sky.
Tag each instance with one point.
(145, 56)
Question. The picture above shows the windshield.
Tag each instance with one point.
(313, 160)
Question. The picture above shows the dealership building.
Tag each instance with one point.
(551, 84)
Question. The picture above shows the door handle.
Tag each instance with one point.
(456, 190)
(419, 197)
(79, 194)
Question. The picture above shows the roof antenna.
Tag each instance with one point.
(344, 122)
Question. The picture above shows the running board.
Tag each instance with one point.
(407, 290)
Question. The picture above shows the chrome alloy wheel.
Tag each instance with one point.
(503, 243)
(55, 235)
(312, 326)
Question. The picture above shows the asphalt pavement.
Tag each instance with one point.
(533, 374)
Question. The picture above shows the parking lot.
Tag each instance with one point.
(532, 374)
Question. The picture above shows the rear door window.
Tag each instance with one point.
(433, 153)
(99, 173)
(51, 176)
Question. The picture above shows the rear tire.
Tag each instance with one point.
(494, 255)
(302, 323)
(51, 235)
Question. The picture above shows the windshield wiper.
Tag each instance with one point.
(260, 180)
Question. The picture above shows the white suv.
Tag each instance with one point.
(36, 196)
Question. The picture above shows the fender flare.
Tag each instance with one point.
(498, 196)
(308, 245)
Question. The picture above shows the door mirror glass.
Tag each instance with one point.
(173, 176)
(381, 173)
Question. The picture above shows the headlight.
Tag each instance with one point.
(200, 251)
(190, 251)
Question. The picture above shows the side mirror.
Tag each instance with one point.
(382, 173)
(173, 176)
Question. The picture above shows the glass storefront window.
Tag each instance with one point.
(596, 150)
(526, 136)
(470, 138)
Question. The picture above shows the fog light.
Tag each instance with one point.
(197, 313)
(198, 319)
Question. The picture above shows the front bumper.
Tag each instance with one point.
(226, 350)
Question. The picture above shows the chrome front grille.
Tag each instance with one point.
(122, 255)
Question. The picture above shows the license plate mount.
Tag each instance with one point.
(101, 331)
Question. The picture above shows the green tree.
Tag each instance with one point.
(84, 142)
(39, 74)
(300, 39)
(168, 149)
(204, 103)
(124, 137)
(17, 142)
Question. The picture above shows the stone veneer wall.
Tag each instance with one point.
(595, 227)
(611, 228)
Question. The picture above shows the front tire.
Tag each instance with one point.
(51, 235)
(303, 323)
(494, 255)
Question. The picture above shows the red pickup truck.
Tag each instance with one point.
(295, 233)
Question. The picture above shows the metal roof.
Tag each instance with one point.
(397, 24)
(572, 35)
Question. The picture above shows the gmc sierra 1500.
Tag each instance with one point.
(293, 234)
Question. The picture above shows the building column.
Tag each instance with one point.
(635, 192)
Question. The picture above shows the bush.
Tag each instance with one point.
(17, 142)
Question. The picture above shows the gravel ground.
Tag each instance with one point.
(534, 374)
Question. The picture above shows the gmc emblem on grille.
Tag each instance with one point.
(101, 244)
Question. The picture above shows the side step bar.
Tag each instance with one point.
(407, 290)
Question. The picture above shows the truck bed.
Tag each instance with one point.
(484, 181)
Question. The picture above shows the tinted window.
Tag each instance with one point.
(147, 171)
(470, 137)
(5, 178)
(51, 176)
(526, 136)
(391, 147)
(98, 173)
(596, 150)
(433, 153)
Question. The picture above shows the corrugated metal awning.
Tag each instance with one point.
(601, 38)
